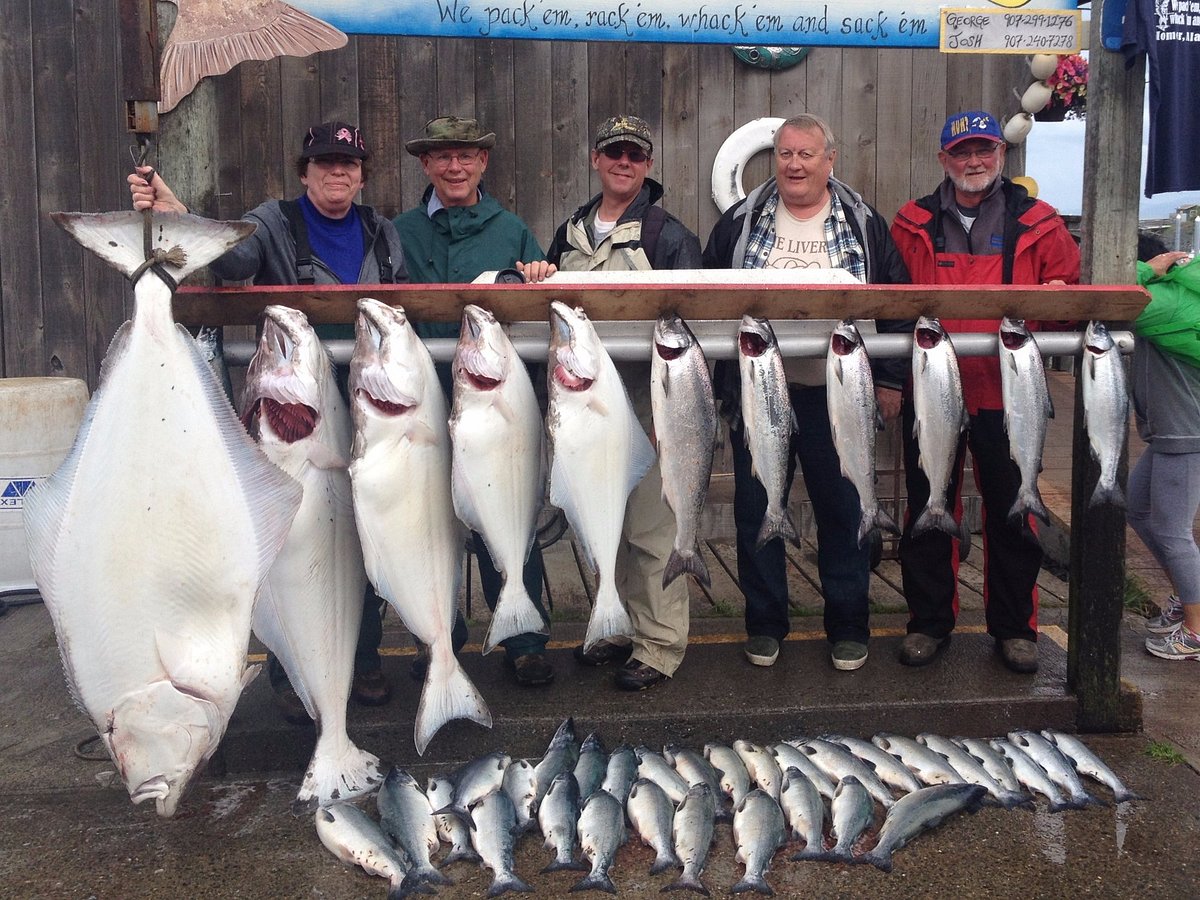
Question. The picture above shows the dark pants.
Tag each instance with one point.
(843, 566)
(366, 652)
(1012, 555)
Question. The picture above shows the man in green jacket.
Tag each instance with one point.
(454, 234)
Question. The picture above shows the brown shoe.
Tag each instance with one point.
(291, 707)
(370, 688)
(637, 676)
(1019, 655)
(602, 653)
(532, 670)
(921, 649)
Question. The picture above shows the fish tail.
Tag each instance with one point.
(779, 526)
(881, 861)
(116, 237)
(515, 614)
(413, 883)
(691, 563)
(448, 694)
(1107, 494)
(815, 856)
(564, 865)
(875, 520)
(1124, 795)
(935, 517)
(508, 882)
(597, 881)
(687, 882)
(752, 883)
(462, 854)
(664, 861)
(609, 617)
(1029, 502)
(338, 770)
(1014, 799)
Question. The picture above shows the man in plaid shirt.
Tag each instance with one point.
(802, 218)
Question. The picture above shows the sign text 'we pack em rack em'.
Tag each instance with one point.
(847, 23)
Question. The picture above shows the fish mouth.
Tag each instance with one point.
(570, 380)
(928, 338)
(751, 343)
(386, 407)
(842, 345)
(291, 422)
(481, 382)
(1012, 340)
(668, 352)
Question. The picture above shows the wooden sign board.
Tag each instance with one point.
(966, 30)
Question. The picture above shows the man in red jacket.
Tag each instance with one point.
(976, 228)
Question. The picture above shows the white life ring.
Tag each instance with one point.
(739, 148)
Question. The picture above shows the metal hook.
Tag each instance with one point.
(139, 155)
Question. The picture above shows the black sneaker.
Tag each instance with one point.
(602, 653)
(637, 676)
(532, 670)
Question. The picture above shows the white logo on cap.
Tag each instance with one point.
(343, 134)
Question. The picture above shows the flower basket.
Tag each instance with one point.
(1069, 83)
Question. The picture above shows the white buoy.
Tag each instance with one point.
(1017, 128)
(1036, 96)
(1043, 65)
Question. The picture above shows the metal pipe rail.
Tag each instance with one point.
(630, 341)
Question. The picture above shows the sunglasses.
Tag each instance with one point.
(616, 151)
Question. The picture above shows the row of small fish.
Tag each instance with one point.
(819, 792)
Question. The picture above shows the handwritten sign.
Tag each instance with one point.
(847, 23)
(1011, 31)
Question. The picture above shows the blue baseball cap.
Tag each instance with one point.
(974, 123)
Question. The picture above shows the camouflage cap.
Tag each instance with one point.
(625, 128)
(450, 131)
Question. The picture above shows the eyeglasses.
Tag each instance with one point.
(443, 158)
(983, 154)
(785, 156)
(616, 151)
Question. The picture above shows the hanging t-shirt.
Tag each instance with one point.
(1168, 32)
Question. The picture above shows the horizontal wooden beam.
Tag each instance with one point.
(529, 303)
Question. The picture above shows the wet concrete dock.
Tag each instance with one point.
(65, 831)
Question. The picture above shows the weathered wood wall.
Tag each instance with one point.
(232, 143)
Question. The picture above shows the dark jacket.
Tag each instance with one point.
(727, 245)
(676, 246)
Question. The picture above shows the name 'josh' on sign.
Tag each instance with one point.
(969, 30)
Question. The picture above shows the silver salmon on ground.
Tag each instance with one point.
(475, 779)
(695, 769)
(890, 770)
(451, 829)
(805, 813)
(150, 541)
(592, 765)
(1030, 774)
(601, 834)
(851, 813)
(1089, 764)
(940, 420)
(1027, 407)
(558, 817)
(761, 764)
(562, 753)
(653, 766)
(520, 783)
(921, 761)
(1105, 410)
(854, 418)
(621, 773)
(309, 608)
(972, 770)
(406, 817)
(349, 834)
(599, 452)
(837, 762)
(495, 837)
(768, 422)
(731, 772)
(498, 477)
(1060, 769)
(685, 427)
(790, 756)
(992, 760)
(692, 834)
(412, 543)
(652, 813)
(918, 812)
(758, 831)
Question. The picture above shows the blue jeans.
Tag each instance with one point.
(843, 566)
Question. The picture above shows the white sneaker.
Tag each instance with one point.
(1168, 618)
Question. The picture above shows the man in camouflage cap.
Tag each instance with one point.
(624, 229)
